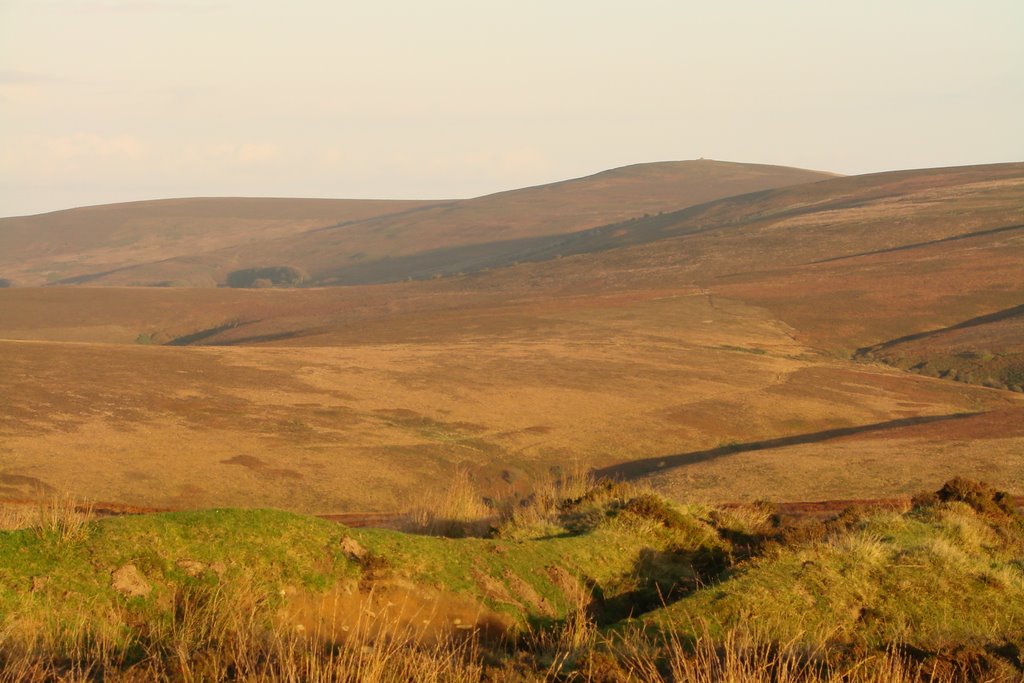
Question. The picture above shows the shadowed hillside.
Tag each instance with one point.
(985, 350)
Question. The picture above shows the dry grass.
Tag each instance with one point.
(62, 519)
(217, 635)
(541, 510)
(741, 657)
(461, 509)
(220, 633)
(14, 516)
(319, 432)
(456, 510)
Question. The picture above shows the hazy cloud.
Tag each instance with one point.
(251, 152)
(133, 6)
(11, 77)
(109, 100)
(55, 156)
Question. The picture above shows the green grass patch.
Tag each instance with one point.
(941, 575)
(943, 579)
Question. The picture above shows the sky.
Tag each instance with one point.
(118, 100)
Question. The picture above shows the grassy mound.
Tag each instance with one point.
(610, 584)
(943, 583)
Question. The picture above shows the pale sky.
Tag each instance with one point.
(116, 100)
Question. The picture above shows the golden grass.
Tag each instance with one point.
(319, 430)
(547, 492)
(742, 657)
(60, 517)
(458, 509)
(16, 516)
(217, 635)
(63, 519)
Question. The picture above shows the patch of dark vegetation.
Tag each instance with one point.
(963, 662)
(262, 468)
(927, 353)
(981, 497)
(806, 529)
(266, 276)
(993, 370)
(4, 283)
(743, 349)
(1013, 376)
(264, 338)
(657, 509)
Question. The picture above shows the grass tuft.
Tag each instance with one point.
(62, 520)
(456, 511)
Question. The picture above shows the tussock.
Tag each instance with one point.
(457, 510)
(63, 520)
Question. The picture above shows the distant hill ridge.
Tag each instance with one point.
(200, 241)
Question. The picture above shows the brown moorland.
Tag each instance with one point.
(710, 351)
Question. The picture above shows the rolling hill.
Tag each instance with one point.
(77, 244)
(198, 242)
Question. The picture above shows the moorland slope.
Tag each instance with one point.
(712, 351)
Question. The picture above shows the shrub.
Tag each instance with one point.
(1014, 375)
(980, 497)
(655, 508)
